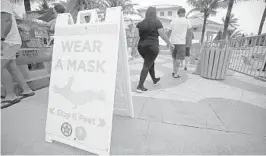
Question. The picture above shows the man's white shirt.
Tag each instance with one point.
(179, 27)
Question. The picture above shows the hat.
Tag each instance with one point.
(181, 10)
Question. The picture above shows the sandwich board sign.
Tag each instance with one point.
(89, 82)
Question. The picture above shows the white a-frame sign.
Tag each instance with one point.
(89, 81)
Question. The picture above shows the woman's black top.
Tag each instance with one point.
(148, 31)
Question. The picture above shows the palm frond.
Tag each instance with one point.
(196, 3)
(31, 22)
(74, 6)
(194, 10)
(223, 4)
(235, 33)
(43, 4)
(233, 21)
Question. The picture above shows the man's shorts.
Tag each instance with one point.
(187, 51)
(179, 52)
(9, 50)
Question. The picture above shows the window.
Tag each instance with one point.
(170, 13)
(161, 13)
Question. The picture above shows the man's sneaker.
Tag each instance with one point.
(156, 81)
(185, 68)
(141, 89)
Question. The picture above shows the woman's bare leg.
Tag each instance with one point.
(18, 77)
(11, 93)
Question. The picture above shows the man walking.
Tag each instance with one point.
(178, 31)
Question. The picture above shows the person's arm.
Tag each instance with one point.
(6, 23)
(135, 38)
(162, 33)
(170, 30)
(164, 36)
(169, 33)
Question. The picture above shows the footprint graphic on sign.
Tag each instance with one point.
(78, 97)
(80, 133)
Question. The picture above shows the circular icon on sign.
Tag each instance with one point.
(66, 129)
(80, 133)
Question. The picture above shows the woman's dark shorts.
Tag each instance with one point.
(179, 51)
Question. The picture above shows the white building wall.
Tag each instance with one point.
(165, 11)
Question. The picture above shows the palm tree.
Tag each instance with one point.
(207, 7)
(43, 4)
(127, 5)
(233, 21)
(262, 20)
(227, 18)
(228, 14)
(74, 6)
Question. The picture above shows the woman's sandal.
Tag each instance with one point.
(23, 96)
(7, 103)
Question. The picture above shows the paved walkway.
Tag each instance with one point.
(190, 115)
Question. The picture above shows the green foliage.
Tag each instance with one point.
(207, 7)
(74, 6)
(233, 21)
(127, 5)
(29, 27)
(235, 33)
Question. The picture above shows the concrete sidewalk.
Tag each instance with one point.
(190, 115)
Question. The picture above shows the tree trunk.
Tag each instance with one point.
(203, 28)
(227, 19)
(27, 5)
(262, 21)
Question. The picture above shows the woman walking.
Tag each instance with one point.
(147, 32)
(10, 45)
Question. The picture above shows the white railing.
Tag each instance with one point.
(249, 56)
